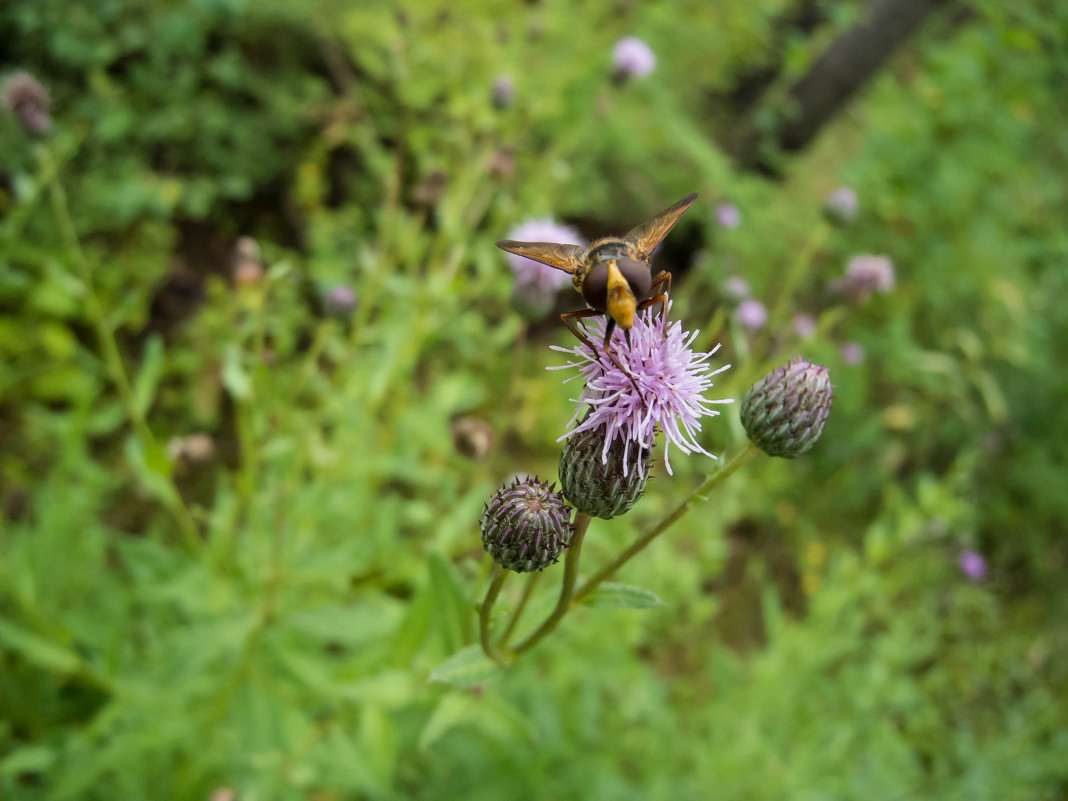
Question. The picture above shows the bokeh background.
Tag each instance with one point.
(249, 294)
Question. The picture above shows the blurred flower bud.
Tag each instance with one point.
(195, 449)
(472, 437)
(973, 565)
(736, 289)
(728, 216)
(840, 207)
(503, 92)
(25, 97)
(852, 352)
(526, 525)
(340, 301)
(246, 268)
(804, 325)
(502, 165)
(752, 314)
(533, 301)
(429, 190)
(784, 412)
(599, 485)
(866, 274)
(632, 58)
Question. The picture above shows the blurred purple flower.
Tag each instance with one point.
(671, 381)
(866, 274)
(503, 91)
(973, 565)
(530, 273)
(752, 314)
(841, 205)
(736, 288)
(804, 325)
(26, 98)
(852, 352)
(340, 301)
(728, 216)
(632, 58)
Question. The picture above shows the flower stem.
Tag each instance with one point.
(110, 349)
(494, 590)
(738, 461)
(528, 590)
(563, 605)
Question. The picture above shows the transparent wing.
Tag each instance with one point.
(562, 257)
(647, 236)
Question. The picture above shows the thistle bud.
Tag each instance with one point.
(526, 525)
(340, 301)
(784, 412)
(25, 97)
(599, 485)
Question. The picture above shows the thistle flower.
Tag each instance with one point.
(841, 206)
(752, 314)
(728, 216)
(973, 565)
(632, 58)
(25, 97)
(537, 284)
(736, 288)
(602, 487)
(671, 381)
(866, 274)
(340, 301)
(526, 525)
(784, 412)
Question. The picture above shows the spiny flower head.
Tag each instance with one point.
(25, 97)
(784, 412)
(526, 525)
(662, 390)
(599, 486)
(632, 58)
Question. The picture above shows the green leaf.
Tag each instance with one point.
(43, 653)
(32, 759)
(451, 603)
(466, 668)
(147, 382)
(234, 377)
(621, 596)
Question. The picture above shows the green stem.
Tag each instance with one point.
(499, 575)
(563, 605)
(736, 463)
(528, 589)
(110, 348)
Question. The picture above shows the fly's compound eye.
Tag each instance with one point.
(638, 276)
(595, 287)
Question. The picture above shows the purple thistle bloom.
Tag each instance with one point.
(841, 205)
(973, 565)
(736, 288)
(25, 97)
(671, 381)
(503, 92)
(632, 58)
(728, 216)
(752, 314)
(530, 274)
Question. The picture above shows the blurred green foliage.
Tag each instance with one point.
(817, 639)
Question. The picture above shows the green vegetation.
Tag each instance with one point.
(286, 607)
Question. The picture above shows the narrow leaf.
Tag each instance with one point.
(621, 596)
(147, 382)
(466, 668)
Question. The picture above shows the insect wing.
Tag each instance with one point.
(562, 257)
(647, 236)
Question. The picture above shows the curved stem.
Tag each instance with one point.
(738, 461)
(528, 589)
(563, 605)
(494, 590)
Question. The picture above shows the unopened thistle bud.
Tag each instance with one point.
(784, 412)
(526, 525)
(25, 97)
(603, 485)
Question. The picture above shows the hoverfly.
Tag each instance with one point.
(613, 274)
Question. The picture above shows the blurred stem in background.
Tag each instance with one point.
(155, 457)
